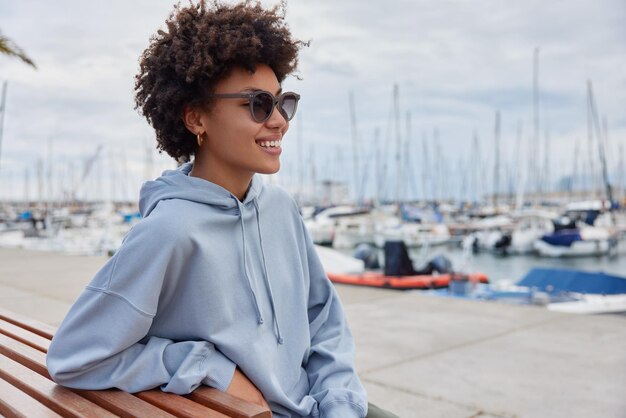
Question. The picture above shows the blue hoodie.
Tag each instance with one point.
(205, 283)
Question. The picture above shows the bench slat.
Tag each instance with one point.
(27, 337)
(61, 400)
(39, 328)
(177, 405)
(24, 354)
(16, 404)
(227, 404)
(124, 404)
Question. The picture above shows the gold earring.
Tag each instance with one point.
(199, 137)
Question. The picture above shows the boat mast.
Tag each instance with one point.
(26, 187)
(355, 150)
(601, 142)
(396, 114)
(39, 168)
(606, 146)
(535, 147)
(461, 172)
(2, 111)
(425, 166)
(592, 172)
(546, 161)
(377, 159)
(521, 173)
(496, 167)
(475, 167)
(620, 170)
(572, 181)
(300, 162)
(436, 166)
(407, 160)
(313, 170)
(49, 176)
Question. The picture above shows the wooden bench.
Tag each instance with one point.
(26, 389)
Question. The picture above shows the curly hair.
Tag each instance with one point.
(199, 47)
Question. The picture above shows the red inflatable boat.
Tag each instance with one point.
(378, 279)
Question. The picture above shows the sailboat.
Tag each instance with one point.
(587, 228)
(581, 231)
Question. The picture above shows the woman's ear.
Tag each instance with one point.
(192, 120)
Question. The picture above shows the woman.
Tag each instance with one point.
(219, 284)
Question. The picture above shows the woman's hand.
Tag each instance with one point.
(242, 388)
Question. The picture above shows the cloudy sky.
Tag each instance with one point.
(455, 64)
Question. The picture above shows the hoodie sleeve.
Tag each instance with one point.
(333, 379)
(102, 341)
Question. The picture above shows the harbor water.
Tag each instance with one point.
(511, 268)
(514, 267)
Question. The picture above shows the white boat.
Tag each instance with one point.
(518, 237)
(592, 304)
(584, 229)
(323, 225)
(338, 263)
(414, 234)
(583, 241)
(13, 238)
(487, 232)
(353, 230)
(529, 227)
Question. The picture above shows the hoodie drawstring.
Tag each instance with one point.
(245, 265)
(268, 286)
(266, 275)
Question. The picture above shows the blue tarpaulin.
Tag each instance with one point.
(563, 280)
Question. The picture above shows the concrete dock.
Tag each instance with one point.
(418, 355)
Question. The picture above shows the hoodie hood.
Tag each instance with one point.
(178, 184)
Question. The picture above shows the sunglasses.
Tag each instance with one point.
(262, 103)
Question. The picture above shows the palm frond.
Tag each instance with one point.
(8, 47)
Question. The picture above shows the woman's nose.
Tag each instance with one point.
(276, 120)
